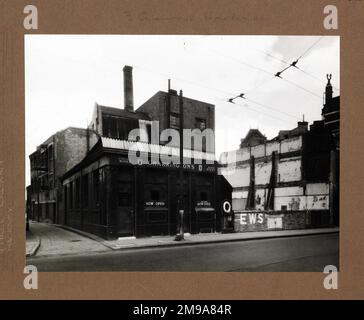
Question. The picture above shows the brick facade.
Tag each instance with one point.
(54, 157)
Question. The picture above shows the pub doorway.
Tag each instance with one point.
(125, 209)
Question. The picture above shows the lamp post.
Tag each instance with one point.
(180, 235)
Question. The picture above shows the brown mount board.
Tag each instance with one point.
(267, 17)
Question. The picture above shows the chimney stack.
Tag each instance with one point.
(128, 88)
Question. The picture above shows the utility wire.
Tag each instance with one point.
(279, 73)
(270, 108)
(298, 68)
(229, 93)
(215, 89)
(316, 78)
(257, 111)
(316, 42)
(241, 62)
(166, 76)
(294, 63)
(260, 85)
(300, 87)
(271, 56)
(212, 89)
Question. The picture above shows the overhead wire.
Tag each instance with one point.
(279, 73)
(215, 89)
(258, 111)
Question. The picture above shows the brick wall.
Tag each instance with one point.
(157, 107)
(70, 147)
(262, 221)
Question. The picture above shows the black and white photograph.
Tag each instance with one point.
(187, 153)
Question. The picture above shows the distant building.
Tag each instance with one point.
(253, 138)
(54, 157)
(289, 182)
(331, 119)
(164, 107)
(331, 112)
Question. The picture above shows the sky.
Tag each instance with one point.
(65, 75)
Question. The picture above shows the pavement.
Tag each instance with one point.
(53, 240)
(63, 240)
(32, 244)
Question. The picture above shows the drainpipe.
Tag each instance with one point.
(332, 185)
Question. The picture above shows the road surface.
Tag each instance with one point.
(298, 254)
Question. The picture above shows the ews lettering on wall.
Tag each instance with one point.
(251, 218)
(259, 221)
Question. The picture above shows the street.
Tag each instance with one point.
(296, 254)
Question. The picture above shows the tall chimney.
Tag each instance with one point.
(128, 88)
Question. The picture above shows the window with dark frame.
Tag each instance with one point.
(174, 120)
(154, 195)
(113, 127)
(106, 126)
(200, 124)
(149, 132)
(203, 196)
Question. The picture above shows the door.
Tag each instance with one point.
(125, 209)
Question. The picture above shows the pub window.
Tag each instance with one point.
(77, 193)
(85, 190)
(174, 120)
(203, 196)
(200, 124)
(96, 186)
(154, 195)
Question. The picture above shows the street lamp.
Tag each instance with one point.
(180, 235)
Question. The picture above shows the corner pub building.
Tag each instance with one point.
(107, 195)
